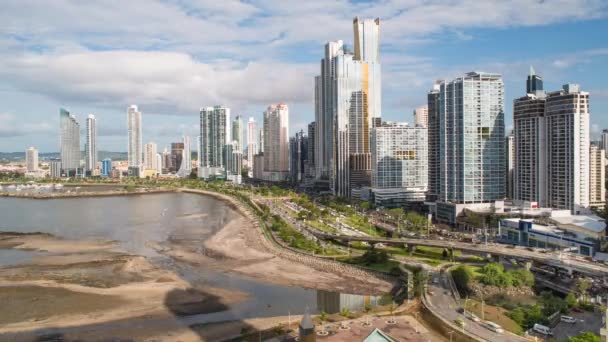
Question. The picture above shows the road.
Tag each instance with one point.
(444, 304)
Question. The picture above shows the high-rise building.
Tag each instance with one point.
(31, 159)
(605, 141)
(215, 133)
(159, 164)
(310, 163)
(567, 116)
(421, 116)
(167, 162)
(90, 146)
(399, 164)
(534, 82)
(234, 159)
(298, 156)
(177, 154)
(510, 164)
(252, 143)
(106, 167)
(70, 143)
(150, 152)
(530, 139)
(597, 177)
(347, 105)
(276, 142)
(433, 139)
(185, 167)
(472, 143)
(261, 141)
(135, 150)
(55, 168)
(237, 132)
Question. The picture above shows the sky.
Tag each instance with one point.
(171, 57)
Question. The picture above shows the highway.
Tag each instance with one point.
(444, 304)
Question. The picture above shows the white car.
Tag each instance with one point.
(494, 327)
(568, 319)
(542, 329)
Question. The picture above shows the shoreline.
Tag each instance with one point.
(60, 195)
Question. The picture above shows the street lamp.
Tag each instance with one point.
(450, 333)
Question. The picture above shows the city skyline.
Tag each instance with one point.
(417, 46)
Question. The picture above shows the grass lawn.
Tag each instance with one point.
(494, 314)
(359, 224)
(320, 226)
(383, 267)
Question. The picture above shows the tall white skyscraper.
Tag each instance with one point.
(237, 132)
(69, 143)
(150, 154)
(159, 164)
(252, 141)
(90, 146)
(472, 143)
(215, 133)
(276, 142)
(31, 159)
(421, 116)
(568, 141)
(135, 152)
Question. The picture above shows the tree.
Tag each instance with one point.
(462, 275)
(571, 300)
(494, 274)
(395, 212)
(365, 206)
(522, 277)
(587, 336)
(582, 286)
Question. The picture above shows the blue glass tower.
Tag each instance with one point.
(106, 167)
(534, 82)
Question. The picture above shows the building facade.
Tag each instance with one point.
(252, 143)
(276, 142)
(421, 116)
(472, 142)
(150, 152)
(177, 155)
(530, 138)
(185, 167)
(69, 143)
(237, 132)
(399, 164)
(135, 151)
(215, 133)
(31, 159)
(510, 164)
(605, 141)
(106, 167)
(90, 146)
(597, 177)
(433, 140)
(567, 117)
(298, 157)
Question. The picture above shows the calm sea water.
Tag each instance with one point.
(137, 222)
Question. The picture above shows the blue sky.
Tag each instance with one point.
(172, 57)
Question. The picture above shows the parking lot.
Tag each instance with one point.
(586, 321)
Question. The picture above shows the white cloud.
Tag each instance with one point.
(11, 127)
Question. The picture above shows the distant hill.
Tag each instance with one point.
(17, 156)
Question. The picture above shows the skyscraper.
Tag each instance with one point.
(252, 142)
(510, 163)
(159, 164)
(310, 163)
(276, 142)
(298, 156)
(605, 141)
(534, 82)
(399, 164)
(69, 143)
(135, 151)
(237, 132)
(215, 133)
(433, 140)
(106, 167)
(185, 167)
(567, 116)
(347, 105)
(150, 152)
(31, 159)
(177, 155)
(472, 143)
(261, 140)
(597, 177)
(530, 139)
(421, 116)
(90, 146)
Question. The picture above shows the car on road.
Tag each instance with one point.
(579, 310)
(473, 317)
(568, 319)
(494, 327)
(539, 328)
